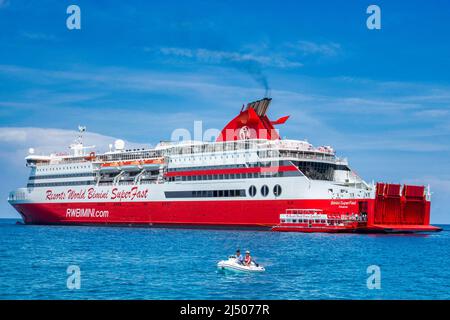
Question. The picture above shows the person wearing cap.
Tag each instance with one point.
(239, 257)
(248, 258)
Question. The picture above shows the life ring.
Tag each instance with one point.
(91, 156)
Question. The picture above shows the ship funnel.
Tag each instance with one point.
(252, 123)
(260, 106)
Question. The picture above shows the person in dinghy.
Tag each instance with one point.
(239, 257)
(248, 259)
(238, 262)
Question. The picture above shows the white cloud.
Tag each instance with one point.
(216, 56)
(232, 88)
(16, 140)
(315, 48)
(283, 56)
(38, 36)
(436, 183)
(432, 113)
(12, 135)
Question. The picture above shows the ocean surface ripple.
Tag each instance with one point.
(151, 263)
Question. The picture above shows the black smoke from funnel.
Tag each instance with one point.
(255, 70)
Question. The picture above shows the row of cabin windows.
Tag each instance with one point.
(68, 175)
(303, 221)
(62, 168)
(59, 184)
(235, 166)
(223, 193)
(130, 156)
(205, 158)
(226, 176)
(218, 193)
(205, 193)
(230, 166)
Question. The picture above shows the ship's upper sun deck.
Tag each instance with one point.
(251, 131)
(265, 148)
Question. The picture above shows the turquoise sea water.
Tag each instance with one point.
(145, 263)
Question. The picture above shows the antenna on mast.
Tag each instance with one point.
(77, 146)
(81, 131)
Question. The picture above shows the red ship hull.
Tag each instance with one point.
(255, 213)
(264, 214)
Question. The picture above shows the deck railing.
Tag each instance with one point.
(265, 149)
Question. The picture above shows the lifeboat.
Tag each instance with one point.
(131, 165)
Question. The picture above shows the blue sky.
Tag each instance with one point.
(137, 70)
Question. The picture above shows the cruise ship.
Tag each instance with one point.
(248, 178)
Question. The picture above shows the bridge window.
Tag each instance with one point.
(316, 170)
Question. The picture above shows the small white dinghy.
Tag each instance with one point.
(233, 264)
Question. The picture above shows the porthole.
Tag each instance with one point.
(264, 190)
(252, 191)
(277, 190)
